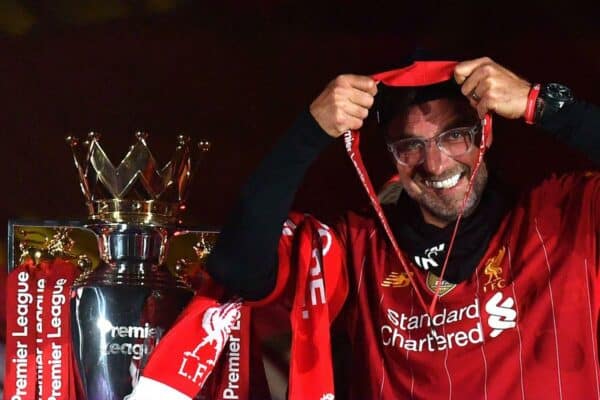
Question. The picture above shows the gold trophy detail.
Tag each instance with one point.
(121, 307)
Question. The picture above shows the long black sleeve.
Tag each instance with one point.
(244, 259)
(577, 125)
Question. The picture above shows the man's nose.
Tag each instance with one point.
(434, 159)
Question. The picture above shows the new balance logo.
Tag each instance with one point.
(397, 279)
(502, 315)
(427, 261)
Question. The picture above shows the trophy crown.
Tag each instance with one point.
(137, 190)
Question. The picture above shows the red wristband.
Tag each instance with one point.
(531, 100)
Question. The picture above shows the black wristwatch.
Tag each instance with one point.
(552, 98)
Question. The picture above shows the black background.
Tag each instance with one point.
(238, 72)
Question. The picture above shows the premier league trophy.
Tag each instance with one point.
(121, 307)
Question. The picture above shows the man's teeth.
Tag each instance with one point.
(445, 184)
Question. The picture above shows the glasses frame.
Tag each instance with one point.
(473, 130)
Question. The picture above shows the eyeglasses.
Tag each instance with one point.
(454, 142)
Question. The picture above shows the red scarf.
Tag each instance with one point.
(38, 320)
(319, 257)
(38, 340)
(182, 363)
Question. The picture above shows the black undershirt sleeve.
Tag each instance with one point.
(577, 125)
(244, 259)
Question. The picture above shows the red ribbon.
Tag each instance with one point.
(21, 378)
(420, 73)
(311, 372)
(38, 343)
(58, 376)
(180, 366)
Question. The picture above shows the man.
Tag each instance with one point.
(514, 314)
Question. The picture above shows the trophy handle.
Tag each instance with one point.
(49, 240)
(187, 252)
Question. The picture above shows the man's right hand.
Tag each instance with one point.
(344, 104)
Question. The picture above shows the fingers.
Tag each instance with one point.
(356, 111)
(344, 103)
(469, 87)
(464, 69)
(350, 123)
(361, 98)
(360, 82)
(490, 87)
(483, 106)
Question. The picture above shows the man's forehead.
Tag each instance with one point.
(431, 117)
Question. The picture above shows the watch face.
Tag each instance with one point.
(552, 98)
(558, 93)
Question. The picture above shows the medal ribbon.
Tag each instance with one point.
(38, 344)
(417, 74)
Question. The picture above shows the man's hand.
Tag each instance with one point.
(491, 87)
(344, 104)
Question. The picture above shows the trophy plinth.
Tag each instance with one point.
(121, 308)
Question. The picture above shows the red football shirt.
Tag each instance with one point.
(524, 326)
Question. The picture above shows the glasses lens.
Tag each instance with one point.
(457, 141)
(454, 142)
(408, 151)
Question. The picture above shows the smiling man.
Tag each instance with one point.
(435, 167)
(515, 314)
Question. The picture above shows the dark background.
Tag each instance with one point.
(237, 73)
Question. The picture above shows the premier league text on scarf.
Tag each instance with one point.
(21, 360)
(24, 299)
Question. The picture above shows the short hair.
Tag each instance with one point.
(391, 101)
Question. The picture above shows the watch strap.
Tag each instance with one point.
(530, 109)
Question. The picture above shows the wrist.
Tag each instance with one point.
(530, 109)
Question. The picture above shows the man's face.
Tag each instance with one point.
(440, 183)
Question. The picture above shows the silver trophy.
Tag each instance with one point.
(123, 304)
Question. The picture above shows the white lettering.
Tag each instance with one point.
(324, 233)
(316, 284)
(21, 367)
(393, 317)
(425, 263)
(445, 317)
(56, 371)
(24, 298)
(393, 337)
(39, 370)
(136, 350)
(135, 332)
(395, 334)
(39, 327)
(200, 368)
(233, 372)
(58, 299)
(198, 372)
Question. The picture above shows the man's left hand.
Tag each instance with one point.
(491, 87)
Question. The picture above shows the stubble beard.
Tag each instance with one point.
(447, 209)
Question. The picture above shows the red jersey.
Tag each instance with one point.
(524, 326)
